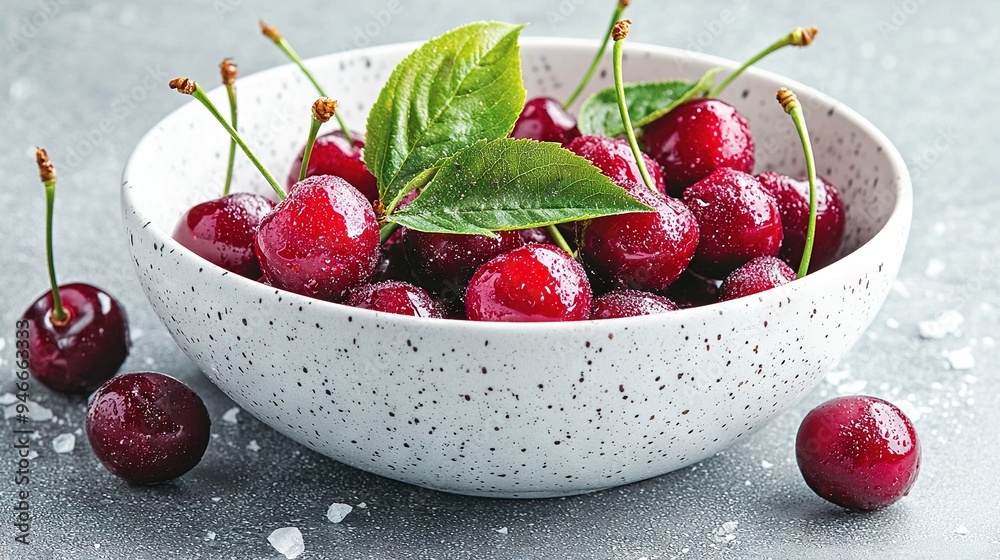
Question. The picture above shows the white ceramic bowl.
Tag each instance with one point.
(510, 410)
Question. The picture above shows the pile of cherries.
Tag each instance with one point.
(716, 232)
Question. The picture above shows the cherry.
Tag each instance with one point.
(533, 283)
(444, 263)
(392, 263)
(222, 231)
(396, 297)
(333, 154)
(613, 156)
(147, 427)
(695, 139)
(536, 235)
(792, 196)
(77, 333)
(858, 452)
(738, 219)
(77, 355)
(630, 303)
(693, 290)
(545, 120)
(320, 241)
(643, 250)
(758, 275)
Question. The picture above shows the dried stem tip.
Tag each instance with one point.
(229, 71)
(46, 170)
(803, 36)
(270, 32)
(624, 3)
(324, 109)
(621, 29)
(788, 100)
(183, 85)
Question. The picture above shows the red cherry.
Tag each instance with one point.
(738, 219)
(320, 241)
(693, 290)
(534, 283)
(544, 119)
(758, 275)
(642, 250)
(392, 263)
(792, 196)
(858, 452)
(444, 263)
(536, 235)
(84, 352)
(333, 155)
(400, 298)
(147, 427)
(630, 303)
(222, 231)
(695, 139)
(614, 157)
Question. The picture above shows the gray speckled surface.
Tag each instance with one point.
(65, 68)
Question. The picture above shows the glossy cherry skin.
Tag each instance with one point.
(792, 196)
(630, 303)
(222, 231)
(758, 275)
(444, 263)
(321, 241)
(695, 139)
(333, 155)
(614, 157)
(544, 119)
(858, 452)
(536, 235)
(147, 427)
(85, 352)
(739, 222)
(534, 283)
(642, 250)
(396, 297)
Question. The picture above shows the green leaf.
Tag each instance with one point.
(459, 88)
(646, 102)
(509, 184)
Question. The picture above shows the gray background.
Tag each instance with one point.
(922, 70)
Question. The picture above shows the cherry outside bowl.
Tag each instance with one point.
(511, 410)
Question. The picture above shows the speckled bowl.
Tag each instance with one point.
(510, 410)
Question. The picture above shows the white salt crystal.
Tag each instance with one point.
(892, 323)
(940, 228)
(35, 412)
(988, 341)
(216, 500)
(150, 361)
(64, 443)
(837, 376)
(337, 512)
(287, 541)
(852, 387)
(230, 415)
(730, 526)
(946, 323)
(766, 464)
(962, 530)
(961, 358)
(32, 455)
(934, 268)
(362, 505)
(968, 378)
(502, 530)
(210, 536)
(7, 398)
(252, 446)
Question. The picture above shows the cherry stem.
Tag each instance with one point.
(799, 37)
(228, 70)
(274, 35)
(557, 236)
(322, 110)
(189, 87)
(619, 33)
(617, 15)
(387, 230)
(790, 103)
(47, 173)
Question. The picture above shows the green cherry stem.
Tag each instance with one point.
(557, 236)
(387, 230)
(790, 103)
(619, 33)
(617, 15)
(274, 35)
(800, 37)
(322, 111)
(229, 70)
(189, 87)
(47, 173)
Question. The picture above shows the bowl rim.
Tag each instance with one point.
(898, 219)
